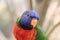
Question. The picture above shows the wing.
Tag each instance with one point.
(40, 34)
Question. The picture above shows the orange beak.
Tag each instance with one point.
(34, 22)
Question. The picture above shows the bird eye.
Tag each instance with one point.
(28, 15)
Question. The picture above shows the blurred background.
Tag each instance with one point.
(49, 11)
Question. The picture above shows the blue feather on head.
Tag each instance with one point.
(27, 17)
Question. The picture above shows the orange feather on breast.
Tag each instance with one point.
(21, 34)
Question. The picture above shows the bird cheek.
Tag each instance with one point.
(34, 22)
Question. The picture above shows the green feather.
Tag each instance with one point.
(18, 19)
(40, 34)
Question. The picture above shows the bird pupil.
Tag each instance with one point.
(28, 15)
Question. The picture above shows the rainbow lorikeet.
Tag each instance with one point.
(27, 28)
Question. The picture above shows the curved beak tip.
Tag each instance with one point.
(34, 22)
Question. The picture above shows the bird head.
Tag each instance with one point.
(28, 20)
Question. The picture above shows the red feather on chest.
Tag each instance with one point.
(22, 34)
